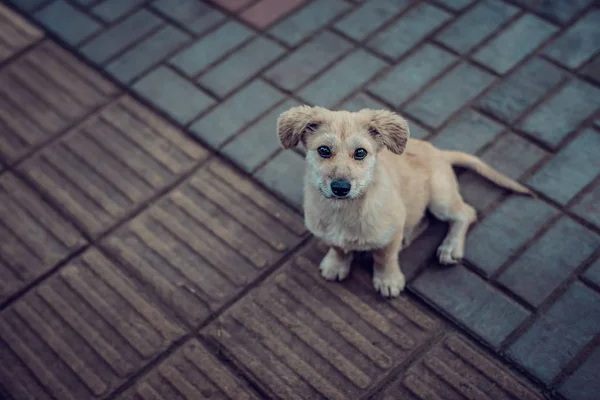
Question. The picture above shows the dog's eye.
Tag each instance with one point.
(324, 151)
(360, 154)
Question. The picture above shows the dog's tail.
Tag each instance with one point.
(464, 160)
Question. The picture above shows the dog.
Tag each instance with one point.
(367, 187)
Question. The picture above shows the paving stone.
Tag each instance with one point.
(513, 156)
(370, 16)
(558, 335)
(138, 60)
(573, 168)
(480, 307)
(584, 383)
(554, 119)
(233, 5)
(549, 261)
(416, 130)
(118, 37)
(521, 89)
(495, 239)
(79, 28)
(578, 43)
(592, 70)
(211, 48)
(458, 87)
(303, 337)
(84, 3)
(27, 5)
(359, 101)
(265, 12)
(348, 75)
(81, 333)
(458, 370)
(588, 207)
(501, 54)
(307, 61)
(240, 232)
(593, 273)
(456, 5)
(224, 121)
(35, 238)
(476, 25)
(197, 16)
(308, 20)
(410, 29)
(259, 141)
(192, 372)
(421, 252)
(469, 132)
(556, 10)
(178, 97)
(112, 164)
(41, 94)
(409, 76)
(112, 10)
(284, 174)
(15, 33)
(240, 66)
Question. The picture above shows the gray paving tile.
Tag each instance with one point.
(476, 25)
(220, 124)
(557, 336)
(120, 36)
(79, 28)
(283, 174)
(259, 141)
(549, 261)
(211, 48)
(173, 94)
(480, 307)
(579, 43)
(458, 87)
(348, 75)
(455, 4)
(240, 66)
(584, 383)
(307, 61)
(147, 53)
(588, 207)
(409, 30)
(359, 101)
(469, 132)
(573, 168)
(369, 16)
(592, 274)
(501, 53)
(521, 89)
(556, 10)
(112, 10)
(308, 20)
(499, 235)
(406, 78)
(195, 15)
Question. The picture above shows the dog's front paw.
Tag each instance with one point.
(389, 284)
(333, 268)
(449, 253)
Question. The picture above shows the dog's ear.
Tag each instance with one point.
(388, 129)
(295, 122)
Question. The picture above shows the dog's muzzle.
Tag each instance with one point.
(340, 187)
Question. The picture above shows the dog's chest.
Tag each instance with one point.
(352, 235)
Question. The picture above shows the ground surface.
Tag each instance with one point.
(137, 262)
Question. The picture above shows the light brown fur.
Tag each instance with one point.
(391, 188)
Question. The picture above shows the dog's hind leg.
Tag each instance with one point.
(447, 205)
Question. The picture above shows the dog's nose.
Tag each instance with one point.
(340, 187)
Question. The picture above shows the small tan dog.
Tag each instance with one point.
(367, 186)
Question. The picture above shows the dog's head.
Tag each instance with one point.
(341, 146)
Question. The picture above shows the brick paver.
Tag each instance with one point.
(137, 263)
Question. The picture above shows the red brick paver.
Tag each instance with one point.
(136, 262)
